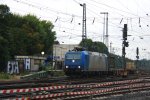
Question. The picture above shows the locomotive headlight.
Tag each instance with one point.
(73, 61)
(66, 66)
(79, 67)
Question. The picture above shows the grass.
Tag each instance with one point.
(52, 71)
(4, 75)
(24, 73)
(56, 73)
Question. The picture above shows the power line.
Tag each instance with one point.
(114, 8)
(45, 8)
(137, 16)
(69, 15)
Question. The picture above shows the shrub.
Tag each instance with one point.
(4, 75)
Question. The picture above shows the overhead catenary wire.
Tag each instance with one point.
(128, 19)
(136, 16)
(90, 18)
(18, 0)
(114, 8)
(42, 7)
(45, 8)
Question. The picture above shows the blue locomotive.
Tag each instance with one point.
(85, 62)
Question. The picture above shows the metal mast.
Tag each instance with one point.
(107, 41)
(105, 29)
(84, 35)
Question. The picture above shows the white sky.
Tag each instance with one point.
(70, 32)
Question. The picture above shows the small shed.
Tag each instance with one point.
(29, 63)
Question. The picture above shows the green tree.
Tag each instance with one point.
(99, 47)
(86, 43)
(4, 36)
(23, 35)
(94, 46)
(49, 36)
(4, 10)
(4, 57)
(30, 36)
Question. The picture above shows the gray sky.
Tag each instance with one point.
(67, 14)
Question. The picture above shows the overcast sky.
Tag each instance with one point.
(66, 15)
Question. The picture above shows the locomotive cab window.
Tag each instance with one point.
(73, 56)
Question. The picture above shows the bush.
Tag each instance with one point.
(4, 75)
(25, 73)
(45, 67)
(60, 73)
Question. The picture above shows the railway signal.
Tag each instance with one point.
(124, 44)
(137, 57)
(137, 52)
(125, 32)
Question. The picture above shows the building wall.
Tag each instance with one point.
(60, 50)
(35, 62)
(59, 54)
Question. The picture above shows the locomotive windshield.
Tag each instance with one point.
(73, 56)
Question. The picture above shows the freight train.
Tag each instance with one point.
(91, 63)
(143, 65)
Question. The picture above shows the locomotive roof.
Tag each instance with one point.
(92, 53)
(97, 53)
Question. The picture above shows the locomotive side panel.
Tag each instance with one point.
(97, 62)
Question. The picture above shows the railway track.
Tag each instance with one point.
(30, 83)
(51, 81)
(77, 90)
